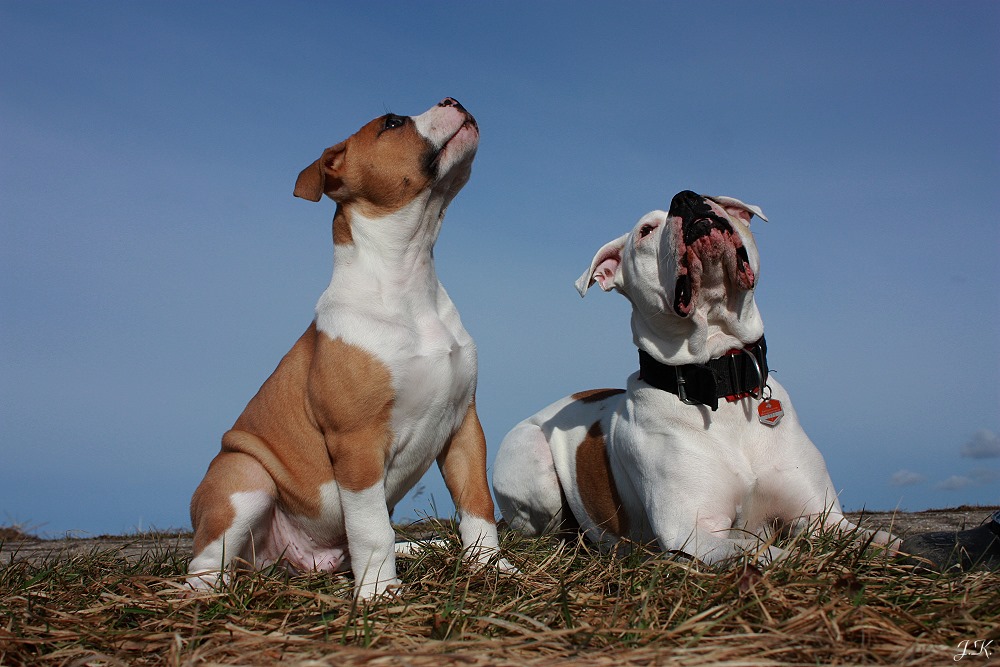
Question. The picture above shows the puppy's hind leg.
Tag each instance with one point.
(230, 513)
(526, 484)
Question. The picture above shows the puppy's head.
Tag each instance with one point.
(699, 255)
(392, 159)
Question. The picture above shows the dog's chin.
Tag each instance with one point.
(458, 151)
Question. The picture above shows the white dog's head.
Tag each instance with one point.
(690, 274)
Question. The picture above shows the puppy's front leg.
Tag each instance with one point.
(359, 466)
(463, 466)
(370, 539)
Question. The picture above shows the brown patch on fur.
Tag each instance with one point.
(352, 397)
(342, 234)
(595, 395)
(279, 430)
(463, 466)
(323, 414)
(596, 484)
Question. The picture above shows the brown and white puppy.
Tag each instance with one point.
(702, 451)
(379, 386)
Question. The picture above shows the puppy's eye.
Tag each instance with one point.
(393, 121)
(646, 230)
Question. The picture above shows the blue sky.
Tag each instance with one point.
(154, 266)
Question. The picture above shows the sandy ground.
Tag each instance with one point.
(16, 546)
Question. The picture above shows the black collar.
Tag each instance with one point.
(735, 375)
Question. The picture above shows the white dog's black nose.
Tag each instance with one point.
(697, 216)
(684, 202)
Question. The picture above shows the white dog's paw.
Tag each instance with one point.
(769, 556)
(206, 581)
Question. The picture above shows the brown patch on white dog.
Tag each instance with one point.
(597, 485)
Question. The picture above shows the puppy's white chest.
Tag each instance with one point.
(431, 359)
(434, 377)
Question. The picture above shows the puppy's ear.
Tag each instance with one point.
(323, 175)
(738, 209)
(605, 269)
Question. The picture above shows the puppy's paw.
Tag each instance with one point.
(506, 567)
(889, 541)
(410, 549)
(386, 589)
(490, 557)
(207, 581)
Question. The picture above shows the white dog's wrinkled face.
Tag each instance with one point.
(698, 261)
(701, 242)
(707, 245)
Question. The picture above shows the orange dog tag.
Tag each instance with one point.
(769, 412)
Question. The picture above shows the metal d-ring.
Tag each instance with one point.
(681, 388)
(760, 376)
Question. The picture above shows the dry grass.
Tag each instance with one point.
(830, 603)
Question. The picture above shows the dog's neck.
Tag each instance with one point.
(389, 258)
(714, 328)
(402, 235)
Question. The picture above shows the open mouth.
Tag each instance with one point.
(708, 250)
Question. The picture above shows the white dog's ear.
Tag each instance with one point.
(737, 208)
(605, 269)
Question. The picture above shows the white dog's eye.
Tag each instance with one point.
(646, 230)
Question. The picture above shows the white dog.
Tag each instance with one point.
(666, 458)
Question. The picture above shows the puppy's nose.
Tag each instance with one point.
(684, 201)
(451, 102)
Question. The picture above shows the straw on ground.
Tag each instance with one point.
(831, 602)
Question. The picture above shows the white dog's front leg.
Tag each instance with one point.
(709, 537)
(841, 523)
(716, 547)
(370, 540)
